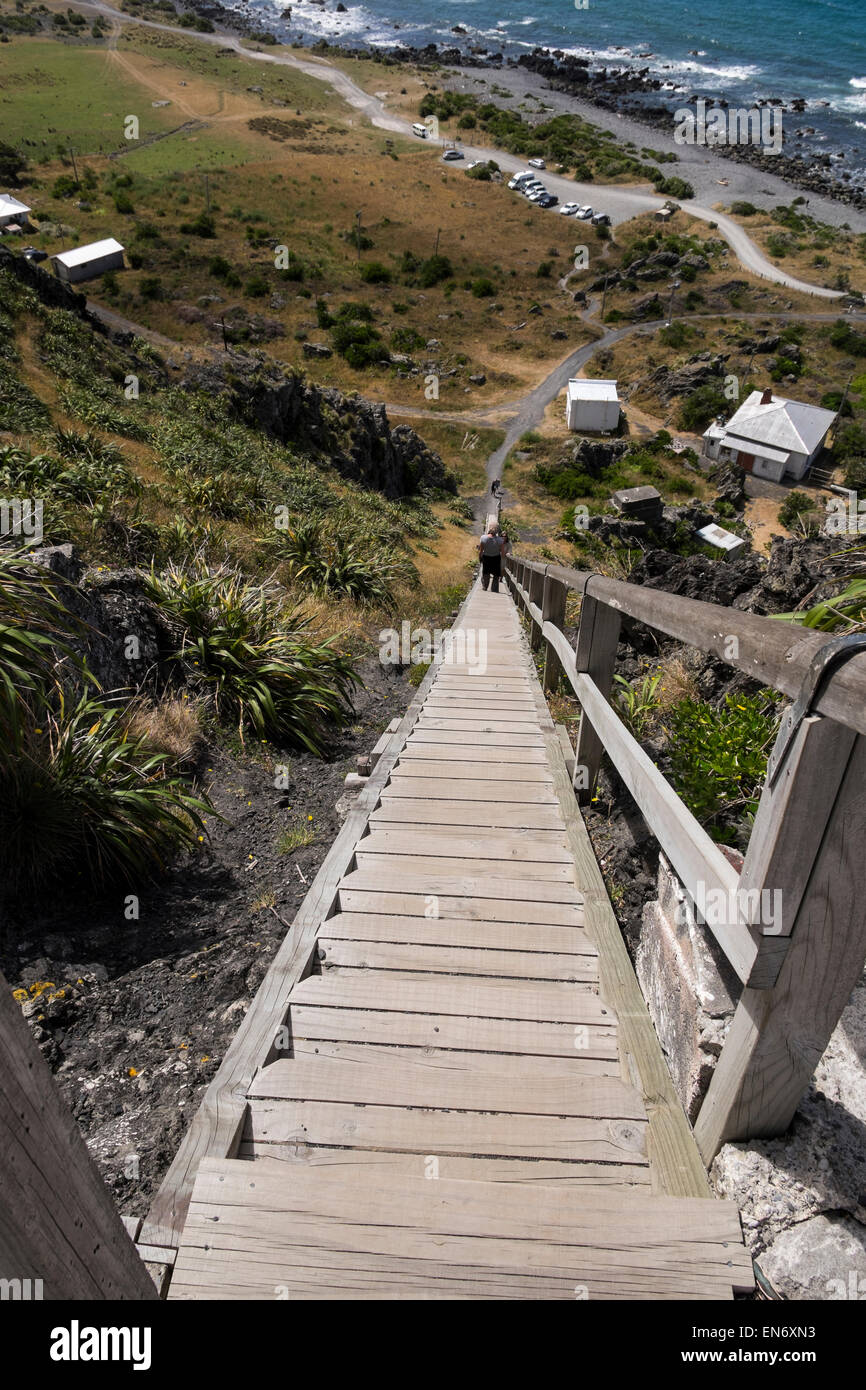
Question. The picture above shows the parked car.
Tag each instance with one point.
(536, 163)
(547, 200)
(601, 219)
(584, 212)
(529, 189)
(520, 179)
(453, 154)
(568, 210)
(420, 130)
(32, 253)
(537, 194)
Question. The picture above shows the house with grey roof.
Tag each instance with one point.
(770, 436)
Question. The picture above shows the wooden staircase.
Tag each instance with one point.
(458, 1117)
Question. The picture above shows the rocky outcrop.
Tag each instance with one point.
(700, 370)
(354, 435)
(51, 291)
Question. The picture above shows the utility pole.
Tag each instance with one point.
(438, 234)
(74, 168)
(207, 192)
(675, 284)
(225, 339)
(358, 216)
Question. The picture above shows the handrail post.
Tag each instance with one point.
(806, 861)
(536, 592)
(597, 639)
(552, 611)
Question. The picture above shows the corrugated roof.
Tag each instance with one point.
(751, 446)
(93, 252)
(584, 390)
(790, 425)
(10, 207)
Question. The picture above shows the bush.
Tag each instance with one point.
(256, 287)
(80, 800)
(433, 270)
(150, 287)
(702, 406)
(743, 209)
(238, 644)
(324, 559)
(483, 288)
(375, 273)
(123, 202)
(64, 186)
(202, 226)
(719, 759)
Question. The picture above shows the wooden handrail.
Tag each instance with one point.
(777, 654)
(799, 966)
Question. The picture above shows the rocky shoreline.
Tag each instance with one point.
(624, 91)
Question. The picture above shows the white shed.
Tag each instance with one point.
(591, 406)
(86, 262)
(12, 213)
(723, 540)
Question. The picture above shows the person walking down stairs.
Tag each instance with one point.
(490, 551)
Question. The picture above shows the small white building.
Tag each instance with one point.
(591, 406)
(723, 540)
(13, 215)
(86, 262)
(770, 436)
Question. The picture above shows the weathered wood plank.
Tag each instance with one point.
(451, 931)
(434, 958)
(536, 1002)
(395, 875)
(437, 1086)
(426, 903)
(58, 1220)
(505, 815)
(672, 1149)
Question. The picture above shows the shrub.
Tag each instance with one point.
(150, 287)
(719, 759)
(743, 209)
(324, 559)
(483, 288)
(256, 287)
(433, 270)
(375, 273)
(702, 406)
(80, 799)
(793, 508)
(123, 202)
(239, 645)
(201, 226)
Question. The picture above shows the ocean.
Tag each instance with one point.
(814, 49)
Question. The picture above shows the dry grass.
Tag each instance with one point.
(677, 683)
(172, 726)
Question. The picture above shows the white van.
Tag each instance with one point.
(419, 130)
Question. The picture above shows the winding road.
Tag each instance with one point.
(620, 203)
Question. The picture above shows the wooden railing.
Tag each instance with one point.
(808, 842)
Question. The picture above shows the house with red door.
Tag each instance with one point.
(770, 436)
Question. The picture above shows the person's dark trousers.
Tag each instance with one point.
(491, 569)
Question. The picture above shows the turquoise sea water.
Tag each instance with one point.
(815, 49)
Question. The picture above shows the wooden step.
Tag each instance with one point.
(496, 846)
(481, 909)
(438, 959)
(359, 1232)
(524, 1041)
(535, 1001)
(516, 937)
(438, 1085)
(577, 1064)
(394, 874)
